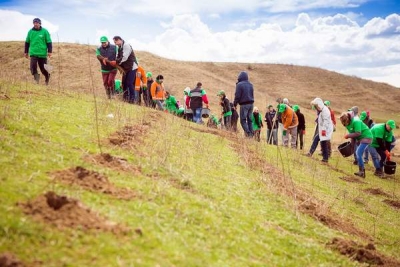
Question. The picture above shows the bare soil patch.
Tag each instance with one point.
(376, 191)
(9, 260)
(64, 212)
(112, 162)
(363, 254)
(352, 179)
(393, 203)
(92, 181)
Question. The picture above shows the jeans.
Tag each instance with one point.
(129, 90)
(136, 97)
(315, 142)
(227, 122)
(159, 104)
(274, 138)
(197, 115)
(359, 152)
(245, 119)
(366, 154)
(376, 158)
(324, 147)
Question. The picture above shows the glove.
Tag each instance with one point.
(323, 133)
(113, 63)
(387, 153)
(304, 132)
(284, 132)
(346, 136)
(144, 87)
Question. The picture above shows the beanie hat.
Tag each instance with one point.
(37, 20)
(103, 39)
(149, 74)
(296, 108)
(363, 115)
(391, 124)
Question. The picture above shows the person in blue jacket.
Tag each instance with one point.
(244, 96)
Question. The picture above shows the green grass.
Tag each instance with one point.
(199, 203)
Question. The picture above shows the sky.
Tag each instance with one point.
(354, 37)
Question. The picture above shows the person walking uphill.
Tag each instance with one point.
(105, 54)
(244, 96)
(38, 46)
(197, 97)
(324, 126)
(289, 124)
(226, 109)
(360, 133)
(126, 59)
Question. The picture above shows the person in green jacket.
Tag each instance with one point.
(359, 133)
(38, 46)
(170, 103)
(381, 144)
(256, 120)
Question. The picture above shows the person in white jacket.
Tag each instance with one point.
(325, 126)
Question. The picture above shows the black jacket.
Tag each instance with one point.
(244, 93)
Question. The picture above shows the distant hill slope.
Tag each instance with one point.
(77, 63)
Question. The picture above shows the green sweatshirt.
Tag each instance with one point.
(379, 132)
(171, 104)
(38, 40)
(357, 126)
(254, 122)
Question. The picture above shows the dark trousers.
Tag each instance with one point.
(324, 146)
(300, 137)
(35, 61)
(315, 141)
(128, 86)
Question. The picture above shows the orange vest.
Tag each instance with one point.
(157, 91)
(140, 79)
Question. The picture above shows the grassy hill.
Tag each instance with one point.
(79, 187)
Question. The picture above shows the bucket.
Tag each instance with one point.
(346, 149)
(205, 113)
(389, 167)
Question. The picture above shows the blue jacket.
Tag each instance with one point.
(244, 90)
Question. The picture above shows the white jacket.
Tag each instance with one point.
(324, 120)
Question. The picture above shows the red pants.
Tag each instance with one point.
(109, 79)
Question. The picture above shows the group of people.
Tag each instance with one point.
(366, 137)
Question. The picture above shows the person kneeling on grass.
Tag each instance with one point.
(381, 144)
(359, 133)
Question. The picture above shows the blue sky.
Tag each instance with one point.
(354, 37)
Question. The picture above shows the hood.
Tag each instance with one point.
(318, 102)
(243, 76)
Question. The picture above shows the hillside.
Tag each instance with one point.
(75, 64)
(85, 181)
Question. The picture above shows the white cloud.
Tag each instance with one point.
(15, 25)
(379, 26)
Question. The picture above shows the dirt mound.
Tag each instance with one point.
(65, 212)
(9, 260)
(130, 136)
(115, 163)
(92, 181)
(376, 191)
(394, 203)
(364, 254)
(352, 179)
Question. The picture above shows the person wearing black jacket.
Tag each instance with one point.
(301, 128)
(245, 98)
(226, 109)
(272, 125)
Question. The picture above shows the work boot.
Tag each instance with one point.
(47, 79)
(361, 172)
(36, 77)
(378, 172)
(355, 162)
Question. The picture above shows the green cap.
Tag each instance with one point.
(327, 103)
(149, 74)
(103, 39)
(295, 108)
(221, 92)
(363, 115)
(281, 108)
(391, 124)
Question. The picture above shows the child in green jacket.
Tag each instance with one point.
(256, 120)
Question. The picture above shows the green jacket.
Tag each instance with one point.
(255, 119)
(379, 132)
(38, 42)
(171, 105)
(357, 126)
